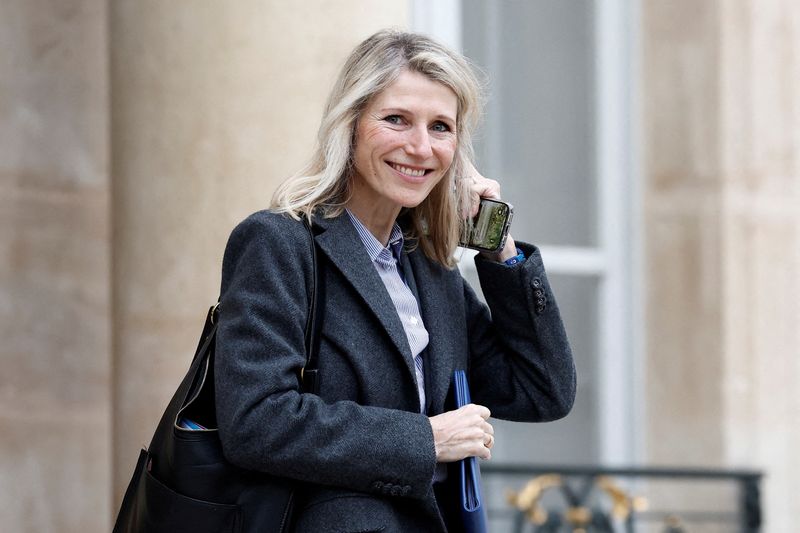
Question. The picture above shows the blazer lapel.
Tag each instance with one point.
(340, 242)
(442, 332)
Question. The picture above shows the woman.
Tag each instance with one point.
(387, 193)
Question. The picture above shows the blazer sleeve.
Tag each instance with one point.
(265, 422)
(521, 365)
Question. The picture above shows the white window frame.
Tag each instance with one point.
(615, 262)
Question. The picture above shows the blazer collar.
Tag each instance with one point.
(340, 242)
(431, 291)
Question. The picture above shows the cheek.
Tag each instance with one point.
(367, 144)
(386, 142)
(445, 150)
(377, 140)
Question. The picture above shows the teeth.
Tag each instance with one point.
(408, 171)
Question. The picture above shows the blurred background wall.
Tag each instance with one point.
(650, 147)
(721, 167)
(55, 267)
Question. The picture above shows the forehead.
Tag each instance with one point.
(418, 93)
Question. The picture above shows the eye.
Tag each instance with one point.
(394, 119)
(440, 127)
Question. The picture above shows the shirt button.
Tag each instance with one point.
(413, 321)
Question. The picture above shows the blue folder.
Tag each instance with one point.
(473, 514)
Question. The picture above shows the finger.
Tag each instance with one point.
(486, 188)
(474, 203)
(470, 197)
(483, 411)
(476, 448)
(484, 453)
(480, 187)
(475, 409)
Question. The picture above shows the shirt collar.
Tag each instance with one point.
(374, 247)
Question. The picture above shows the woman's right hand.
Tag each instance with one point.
(462, 433)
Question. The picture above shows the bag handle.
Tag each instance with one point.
(308, 374)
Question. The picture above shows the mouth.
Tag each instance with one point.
(409, 171)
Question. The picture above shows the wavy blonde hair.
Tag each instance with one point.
(324, 185)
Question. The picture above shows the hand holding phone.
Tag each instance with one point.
(488, 229)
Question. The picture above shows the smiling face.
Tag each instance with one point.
(405, 142)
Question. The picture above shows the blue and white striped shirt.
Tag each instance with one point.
(385, 260)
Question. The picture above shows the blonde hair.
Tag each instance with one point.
(324, 185)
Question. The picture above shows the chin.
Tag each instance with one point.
(411, 203)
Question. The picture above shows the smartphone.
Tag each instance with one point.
(487, 231)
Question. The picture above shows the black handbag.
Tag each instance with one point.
(183, 483)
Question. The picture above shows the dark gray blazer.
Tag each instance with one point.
(362, 446)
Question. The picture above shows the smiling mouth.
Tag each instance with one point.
(409, 171)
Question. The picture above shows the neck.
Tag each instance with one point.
(378, 223)
(377, 214)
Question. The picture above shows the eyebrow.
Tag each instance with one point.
(405, 111)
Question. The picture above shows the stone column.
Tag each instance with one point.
(683, 233)
(213, 104)
(722, 212)
(55, 431)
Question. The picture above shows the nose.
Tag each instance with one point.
(418, 142)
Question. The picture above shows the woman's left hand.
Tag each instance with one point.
(482, 187)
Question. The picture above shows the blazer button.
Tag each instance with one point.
(536, 283)
(406, 490)
(377, 485)
(396, 490)
(541, 301)
(539, 309)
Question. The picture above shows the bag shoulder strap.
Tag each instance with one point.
(308, 375)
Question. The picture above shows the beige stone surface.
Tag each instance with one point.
(212, 106)
(56, 471)
(55, 431)
(679, 81)
(683, 357)
(762, 224)
(682, 233)
(729, 220)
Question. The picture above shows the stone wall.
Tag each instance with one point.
(55, 302)
(722, 211)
